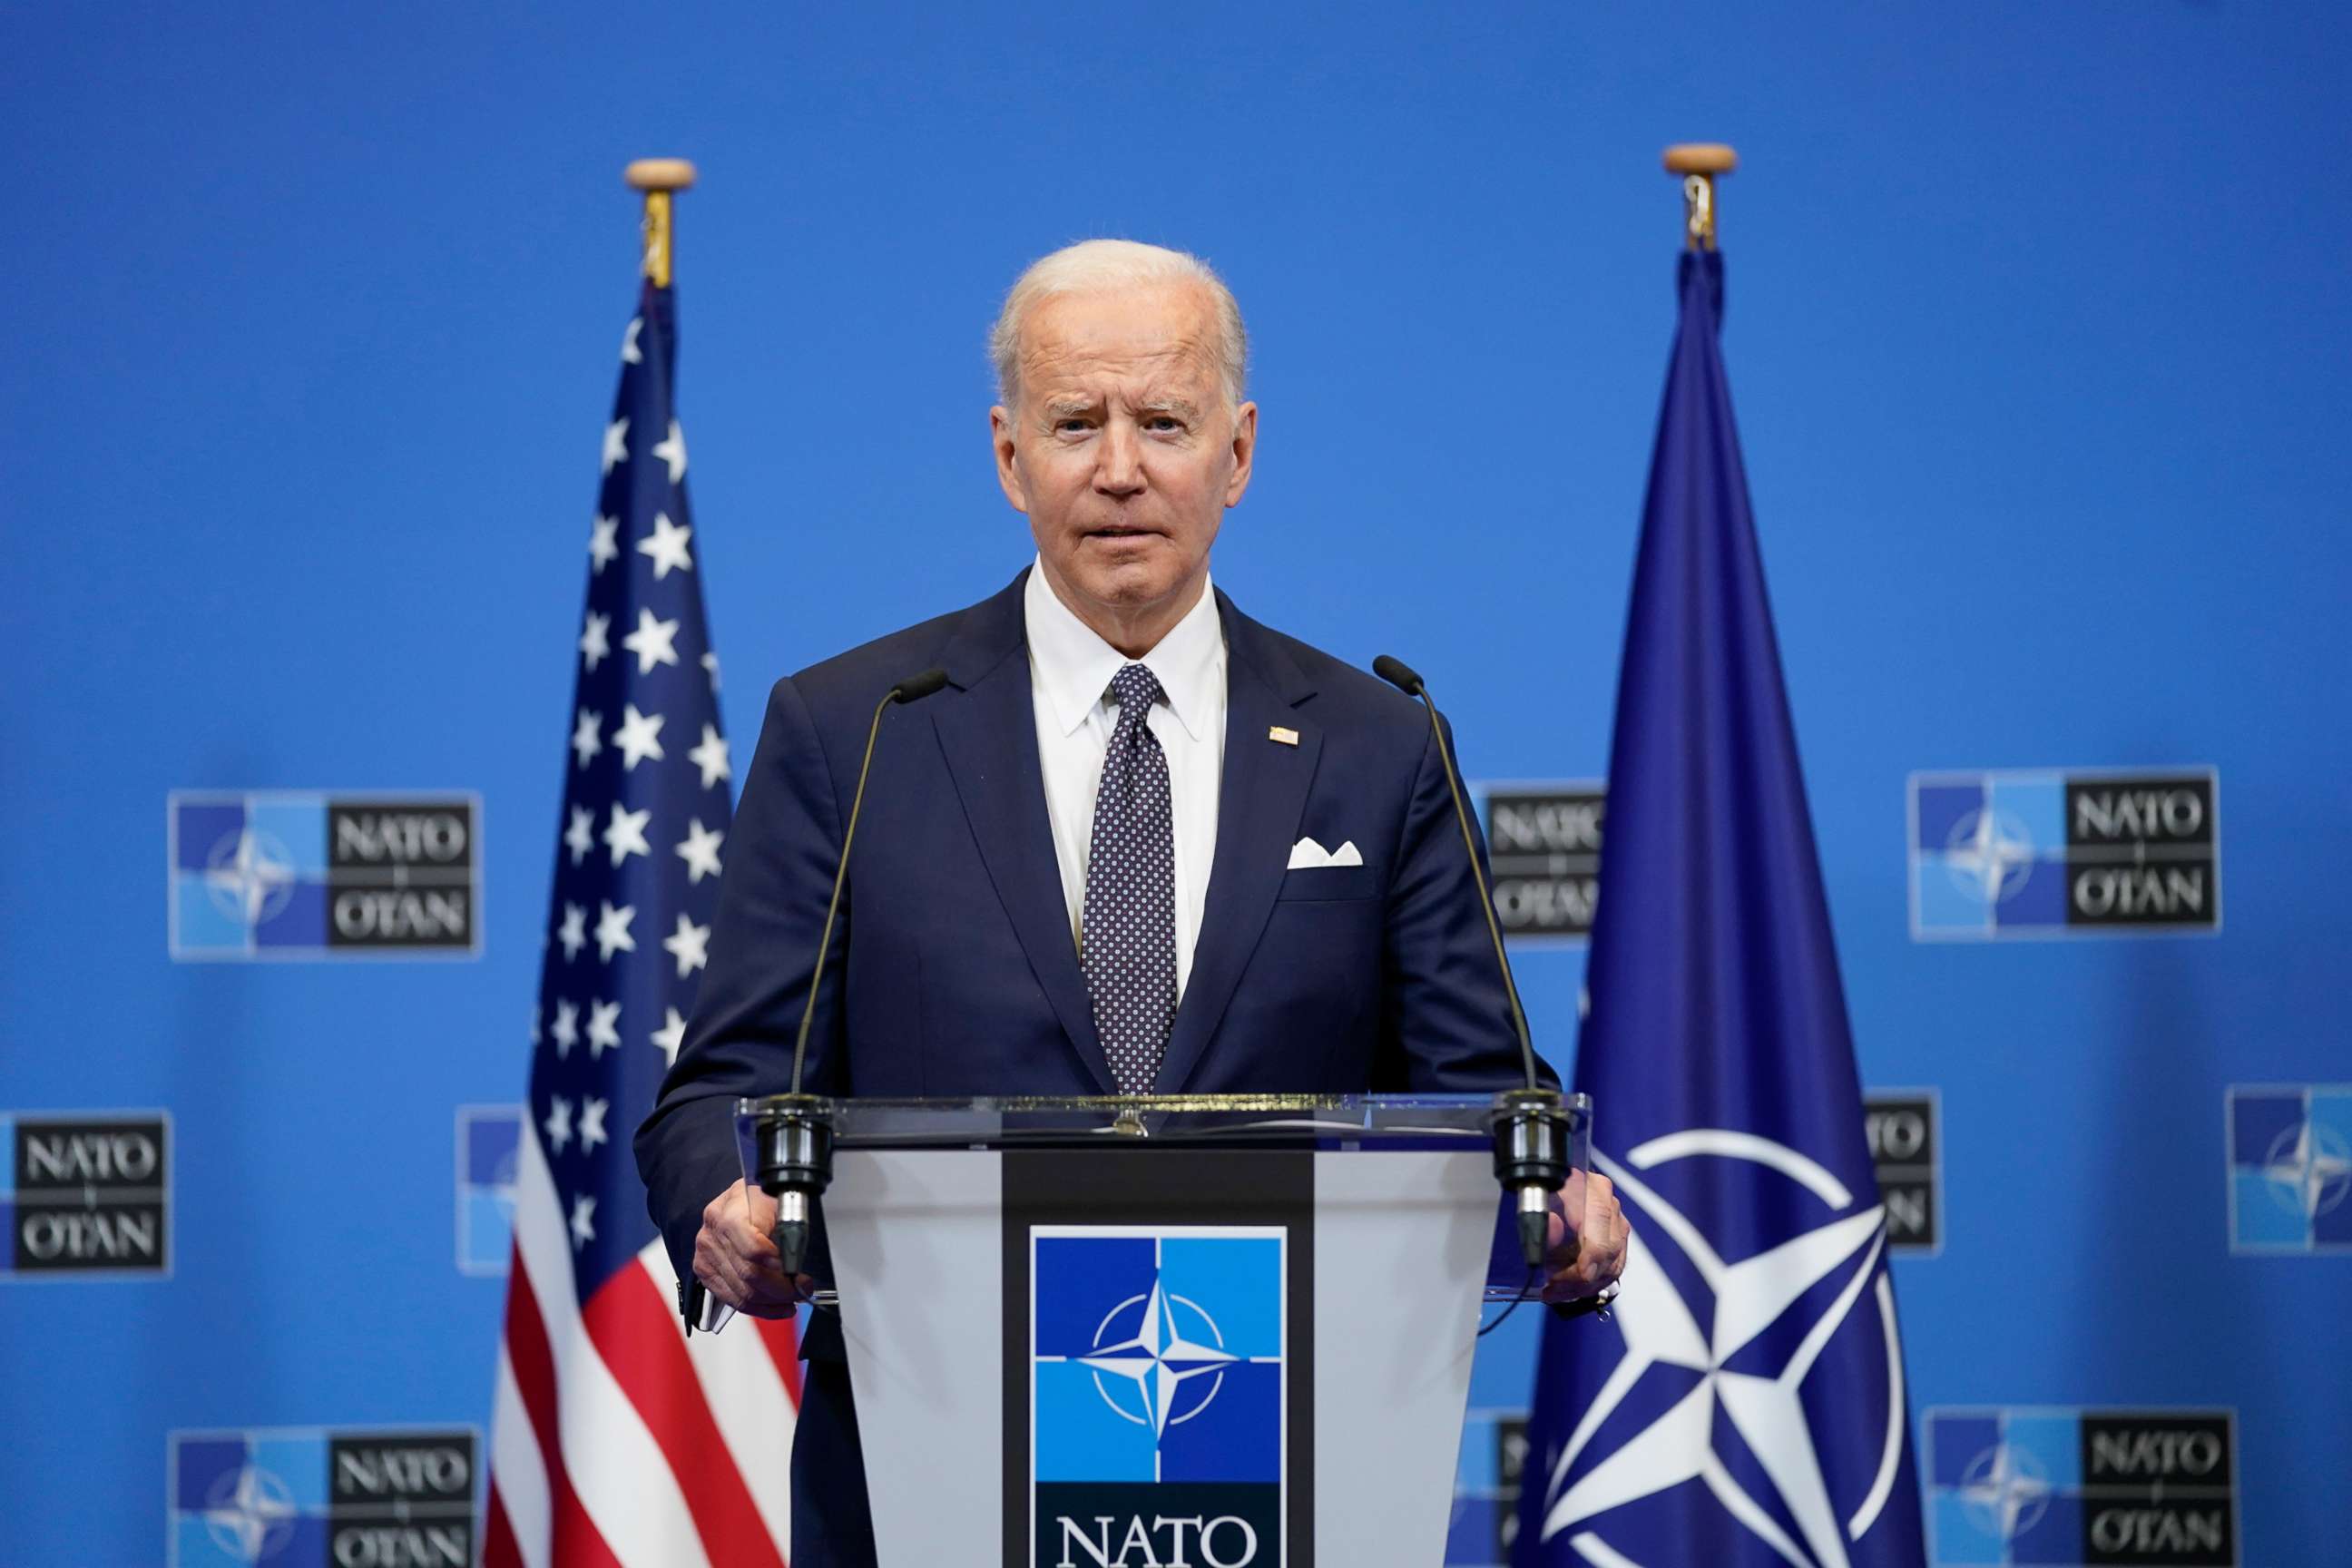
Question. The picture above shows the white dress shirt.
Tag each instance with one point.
(1070, 670)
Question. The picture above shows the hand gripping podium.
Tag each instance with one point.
(1207, 1331)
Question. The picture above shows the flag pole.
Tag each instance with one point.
(1698, 163)
(658, 178)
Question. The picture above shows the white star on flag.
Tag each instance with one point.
(666, 548)
(688, 945)
(629, 353)
(625, 835)
(604, 543)
(566, 1028)
(672, 452)
(583, 1222)
(616, 444)
(638, 737)
(711, 663)
(581, 837)
(712, 757)
(591, 1124)
(585, 737)
(701, 850)
(593, 644)
(558, 1124)
(603, 1026)
(575, 935)
(670, 1034)
(613, 931)
(651, 642)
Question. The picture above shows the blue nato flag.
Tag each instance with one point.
(1747, 1405)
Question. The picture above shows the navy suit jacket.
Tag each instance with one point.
(954, 970)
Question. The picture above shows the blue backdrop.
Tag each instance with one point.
(2034, 331)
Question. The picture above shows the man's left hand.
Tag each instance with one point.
(1588, 1237)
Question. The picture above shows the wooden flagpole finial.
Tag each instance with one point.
(1698, 163)
(659, 179)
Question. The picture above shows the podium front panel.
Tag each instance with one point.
(1136, 1353)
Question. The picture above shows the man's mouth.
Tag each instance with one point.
(1120, 531)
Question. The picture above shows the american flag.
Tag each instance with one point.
(614, 1438)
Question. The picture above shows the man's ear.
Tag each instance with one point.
(1245, 452)
(1008, 475)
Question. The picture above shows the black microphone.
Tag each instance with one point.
(1530, 1122)
(795, 1145)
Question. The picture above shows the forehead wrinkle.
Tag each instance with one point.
(1062, 385)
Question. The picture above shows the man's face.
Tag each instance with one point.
(1121, 448)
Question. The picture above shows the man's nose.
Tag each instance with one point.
(1119, 469)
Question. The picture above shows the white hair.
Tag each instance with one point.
(1093, 266)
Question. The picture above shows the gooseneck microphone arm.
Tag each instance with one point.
(1401, 676)
(1530, 1122)
(796, 1147)
(913, 689)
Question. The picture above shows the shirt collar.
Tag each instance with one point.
(1074, 666)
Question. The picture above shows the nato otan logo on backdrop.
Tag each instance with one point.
(2290, 1167)
(289, 874)
(323, 1497)
(1905, 1126)
(2059, 853)
(1543, 843)
(2071, 1487)
(87, 1192)
(489, 1141)
(1157, 1394)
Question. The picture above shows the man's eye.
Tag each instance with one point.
(1165, 422)
(1067, 425)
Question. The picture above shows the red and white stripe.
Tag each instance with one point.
(615, 1441)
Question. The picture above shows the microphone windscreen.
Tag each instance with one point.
(1397, 673)
(917, 687)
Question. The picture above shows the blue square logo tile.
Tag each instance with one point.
(1941, 808)
(1158, 1373)
(2290, 1167)
(204, 1465)
(204, 831)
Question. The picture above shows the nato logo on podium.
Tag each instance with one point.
(1157, 1385)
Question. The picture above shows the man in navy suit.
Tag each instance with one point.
(1140, 844)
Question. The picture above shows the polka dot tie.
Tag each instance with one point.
(1127, 936)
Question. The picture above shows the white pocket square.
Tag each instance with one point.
(1307, 854)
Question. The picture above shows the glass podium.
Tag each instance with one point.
(1217, 1330)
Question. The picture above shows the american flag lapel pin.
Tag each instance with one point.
(1281, 736)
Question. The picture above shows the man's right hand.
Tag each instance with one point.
(735, 1254)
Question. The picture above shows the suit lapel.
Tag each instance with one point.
(1259, 805)
(988, 733)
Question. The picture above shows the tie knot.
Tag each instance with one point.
(1136, 690)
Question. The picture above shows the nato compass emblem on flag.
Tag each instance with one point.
(2038, 854)
(290, 874)
(2290, 1167)
(1721, 1334)
(313, 1498)
(1156, 1395)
